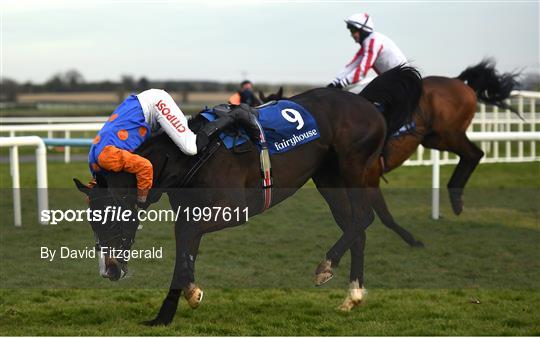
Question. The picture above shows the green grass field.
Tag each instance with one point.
(478, 275)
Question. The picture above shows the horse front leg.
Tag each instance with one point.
(192, 293)
(353, 213)
(362, 217)
(357, 292)
(338, 201)
(183, 277)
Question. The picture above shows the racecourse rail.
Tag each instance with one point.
(492, 128)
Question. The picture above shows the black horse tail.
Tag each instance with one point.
(490, 86)
(398, 92)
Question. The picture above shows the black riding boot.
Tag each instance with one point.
(245, 116)
(205, 134)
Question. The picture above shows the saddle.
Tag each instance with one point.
(247, 118)
(243, 115)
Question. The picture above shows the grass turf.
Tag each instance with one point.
(478, 275)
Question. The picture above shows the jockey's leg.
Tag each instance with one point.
(246, 116)
(242, 115)
(209, 130)
(161, 106)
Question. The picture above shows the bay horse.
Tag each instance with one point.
(352, 136)
(446, 110)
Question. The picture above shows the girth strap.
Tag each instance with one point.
(266, 169)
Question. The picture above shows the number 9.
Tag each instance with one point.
(296, 117)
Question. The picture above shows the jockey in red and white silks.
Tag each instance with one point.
(376, 52)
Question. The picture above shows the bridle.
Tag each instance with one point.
(127, 238)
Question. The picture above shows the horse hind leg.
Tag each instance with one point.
(379, 205)
(469, 157)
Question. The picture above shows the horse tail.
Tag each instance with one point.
(398, 92)
(490, 86)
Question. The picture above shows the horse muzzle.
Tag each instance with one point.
(112, 268)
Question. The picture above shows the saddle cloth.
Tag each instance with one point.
(405, 129)
(285, 123)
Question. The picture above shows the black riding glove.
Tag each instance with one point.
(335, 85)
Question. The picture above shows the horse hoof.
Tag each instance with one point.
(353, 299)
(155, 322)
(323, 278)
(457, 208)
(418, 244)
(323, 273)
(194, 297)
(348, 305)
(456, 202)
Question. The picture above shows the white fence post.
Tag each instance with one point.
(14, 167)
(435, 184)
(533, 124)
(520, 129)
(67, 149)
(41, 172)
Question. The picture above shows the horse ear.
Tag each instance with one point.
(279, 94)
(82, 187)
(262, 97)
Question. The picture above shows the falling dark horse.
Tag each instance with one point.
(446, 110)
(352, 135)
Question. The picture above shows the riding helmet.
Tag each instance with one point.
(361, 21)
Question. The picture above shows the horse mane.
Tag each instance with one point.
(490, 86)
(398, 91)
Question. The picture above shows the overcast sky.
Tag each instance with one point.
(270, 41)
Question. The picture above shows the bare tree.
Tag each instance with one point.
(8, 90)
(73, 79)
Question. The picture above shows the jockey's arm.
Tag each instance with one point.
(360, 65)
(344, 78)
(114, 159)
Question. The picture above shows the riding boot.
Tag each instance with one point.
(205, 134)
(245, 116)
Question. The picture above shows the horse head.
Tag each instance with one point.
(113, 216)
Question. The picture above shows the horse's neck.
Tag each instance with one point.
(167, 160)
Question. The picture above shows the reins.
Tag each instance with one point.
(201, 160)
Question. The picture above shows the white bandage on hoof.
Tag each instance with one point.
(354, 298)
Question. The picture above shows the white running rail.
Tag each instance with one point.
(66, 128)
(41, 170)
(51, 119)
